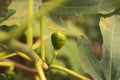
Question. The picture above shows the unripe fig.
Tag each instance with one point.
(58, 40)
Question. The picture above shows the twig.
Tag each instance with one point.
(42, 39)
(69, 71)
(30, 21)
(22, 67)
(14, 45)
(54, 56)
(40, 70)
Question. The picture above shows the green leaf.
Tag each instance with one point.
(21, 11)
(3, 76)
(10, 12)
(57, 19)
(108, 68)
(77, 7)
(87, 60)
(111, 47)
(72, 7)
(21, 8)
(73, 30)
(5, 13)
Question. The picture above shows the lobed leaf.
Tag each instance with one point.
(108, 68)
(72, 7)
(111, 47)
(87, 60)
(77, 7)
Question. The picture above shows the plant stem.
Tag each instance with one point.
(29, 26)
(15, 54)
(40, 70)
(36, 44)
(54, 56)
(14, 45)
(42, 39)
(7, 64)
(29, 36)
(37, 77)
(69, 71)
(22, 67)
(23, 55)
(8, 56)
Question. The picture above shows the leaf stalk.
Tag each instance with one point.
(42, 39)
(30, 20)
(68, 71)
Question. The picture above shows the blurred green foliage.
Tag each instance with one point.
(3, 76)
(73, 18)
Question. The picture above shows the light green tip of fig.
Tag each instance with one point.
(58, 40)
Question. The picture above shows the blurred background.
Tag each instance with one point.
(73, 27)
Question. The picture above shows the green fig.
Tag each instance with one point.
(58, 40)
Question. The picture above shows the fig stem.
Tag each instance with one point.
(55, 53)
